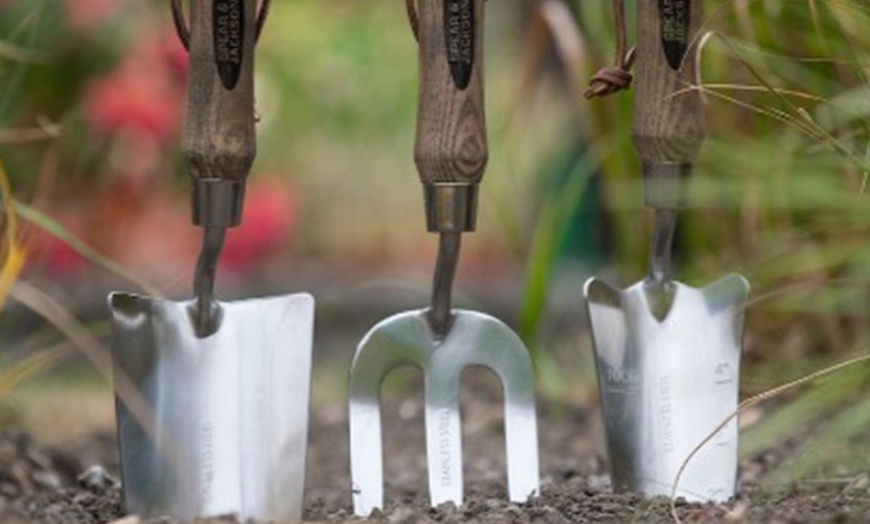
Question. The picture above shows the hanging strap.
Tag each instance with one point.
(615, 78)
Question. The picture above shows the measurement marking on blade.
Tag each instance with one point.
(724, 375)
(444, 451)
(667, 414)
(624, 382)
(722, 437)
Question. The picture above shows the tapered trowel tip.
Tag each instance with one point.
(125, 303)
(597, 291)
(728, 292)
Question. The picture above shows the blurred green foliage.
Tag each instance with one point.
(780, 193)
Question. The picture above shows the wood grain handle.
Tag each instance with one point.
(219, 139)
(669, 124)
(451, 124)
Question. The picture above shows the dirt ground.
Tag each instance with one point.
(75, 483)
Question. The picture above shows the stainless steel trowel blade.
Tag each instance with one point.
(230, 411)
(475, 339)
(668, 375)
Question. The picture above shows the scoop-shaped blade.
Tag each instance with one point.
(228, 424)
(474, 339)
(668, 365)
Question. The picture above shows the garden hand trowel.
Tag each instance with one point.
(451, 154)
(227, 384)
(668, 355)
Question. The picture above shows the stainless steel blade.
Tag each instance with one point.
(475, 339)
(668, 367)
(230, 411)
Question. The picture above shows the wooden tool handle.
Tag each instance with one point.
(451, 124)
(219, 137)
(669, 124)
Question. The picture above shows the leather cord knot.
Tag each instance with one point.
(615, 78)
(611, 79)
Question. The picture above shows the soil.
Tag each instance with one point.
(76, 484)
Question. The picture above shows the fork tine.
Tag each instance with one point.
(444, 437)
(366, 445)
(485, 341)
(521, 437)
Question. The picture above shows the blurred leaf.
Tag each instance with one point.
(14, 375)
(551, 226)
(14, 256)
(838, 448)
(814, 404)
(32, 26)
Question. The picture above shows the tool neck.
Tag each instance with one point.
(661, 245)
(206, 311)
(440, 311)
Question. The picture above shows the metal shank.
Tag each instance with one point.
(440, 314)
(661, 245)
(451, 209)
(206, 311)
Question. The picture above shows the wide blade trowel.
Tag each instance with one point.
(226, 384)
(668, 355)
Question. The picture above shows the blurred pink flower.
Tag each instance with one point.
(268, 223)
(144, 93)
(52, 256)
(86, 14)
(176, 57)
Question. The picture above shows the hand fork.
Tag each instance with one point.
(451, 154)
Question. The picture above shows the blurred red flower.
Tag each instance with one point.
(144, 93)
(269, 220)
(145, 226)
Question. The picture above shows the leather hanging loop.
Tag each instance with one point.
(609, 80)
(183, 30)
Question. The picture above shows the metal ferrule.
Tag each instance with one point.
(217, 202)
(665, 184)
(451, 207)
